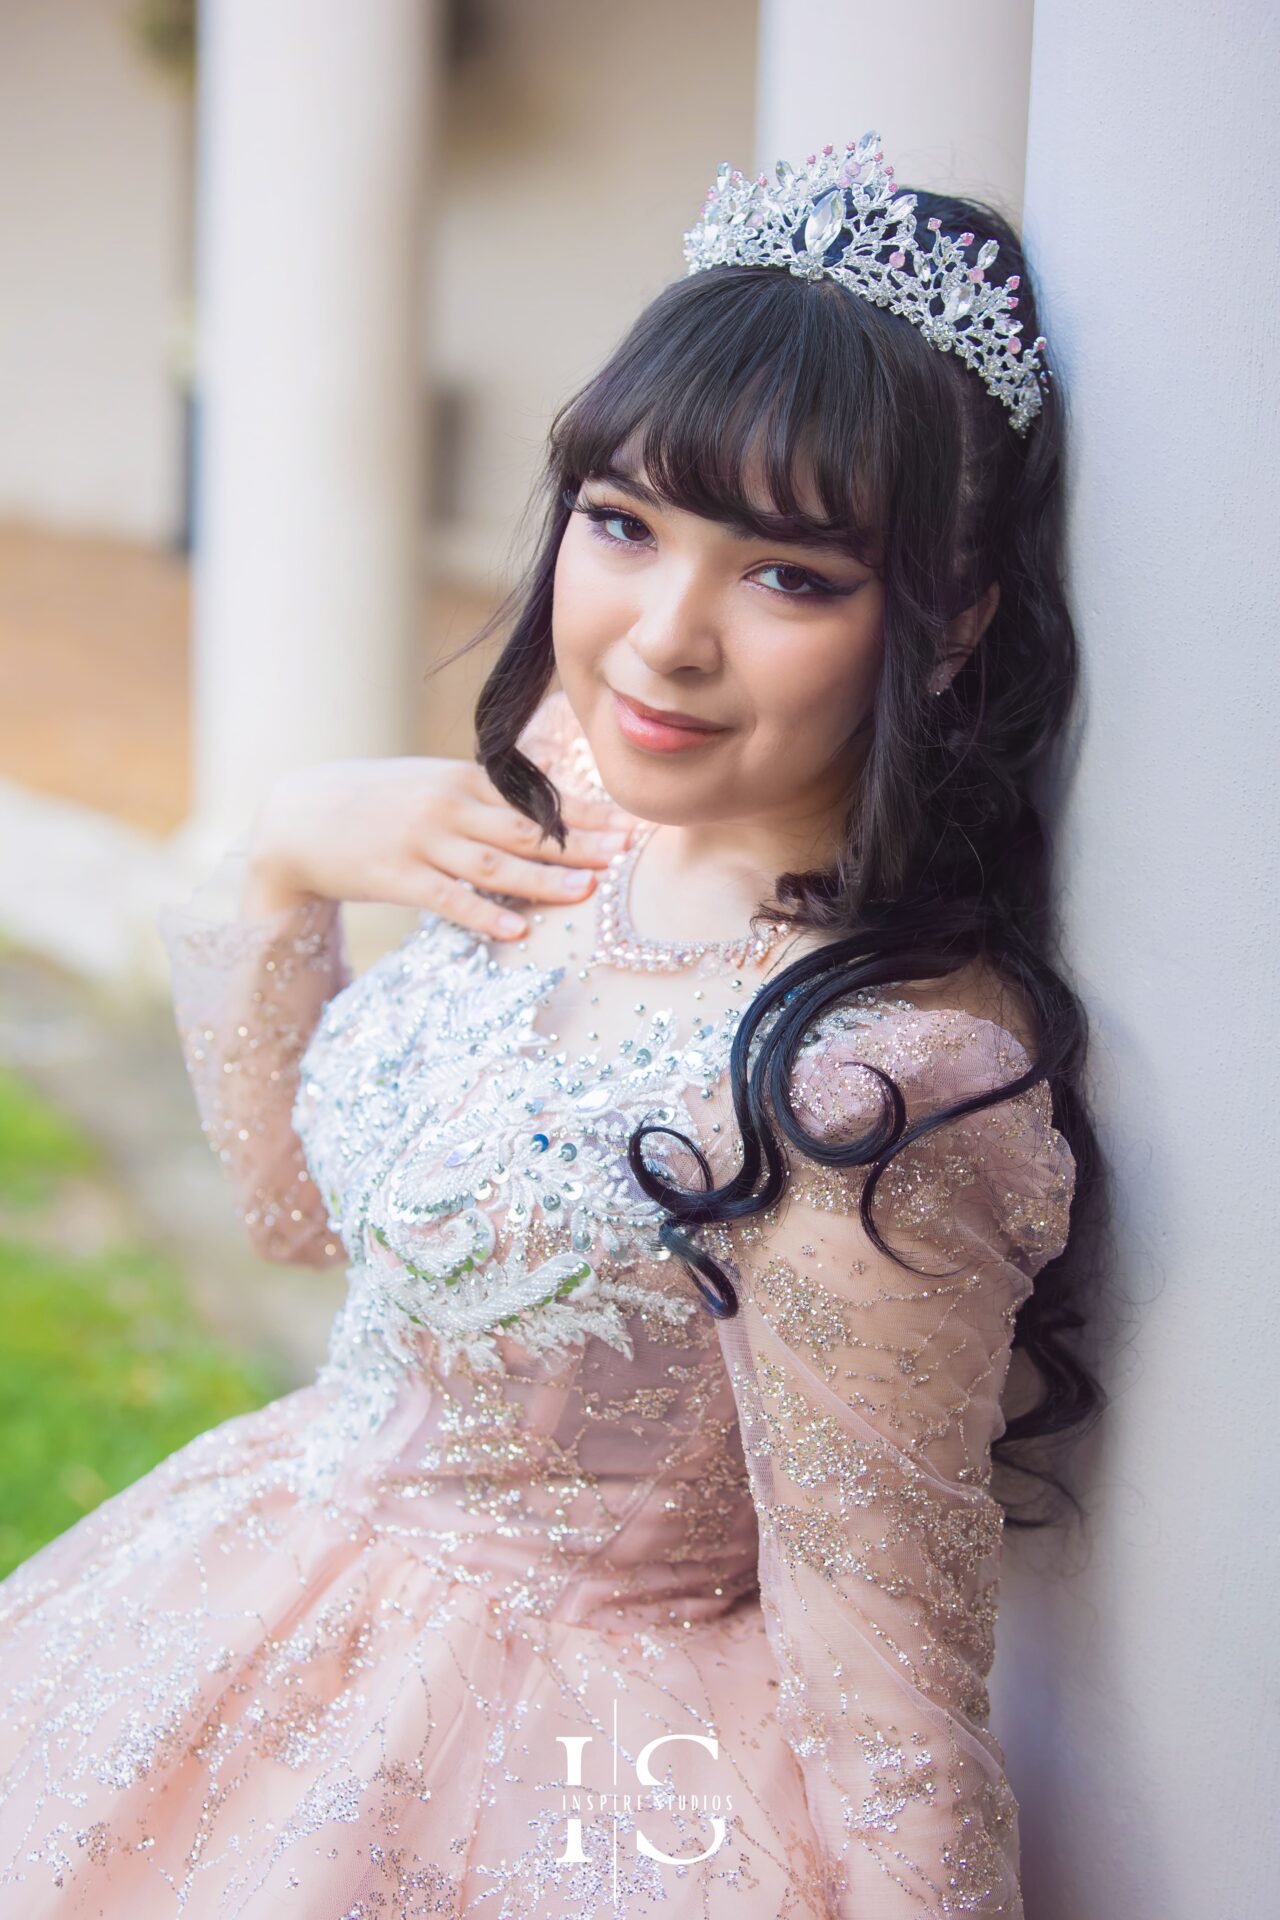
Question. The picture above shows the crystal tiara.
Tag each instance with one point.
(843, 217)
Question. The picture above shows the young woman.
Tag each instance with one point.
(637, 1548)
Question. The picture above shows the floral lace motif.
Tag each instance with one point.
(479, 1176)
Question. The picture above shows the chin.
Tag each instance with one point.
(661, 797)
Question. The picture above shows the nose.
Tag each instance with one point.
(678, 621)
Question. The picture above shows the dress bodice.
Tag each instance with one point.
(462, 1147)
(507, 1282)
(503, 1254)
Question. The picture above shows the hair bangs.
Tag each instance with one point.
(742, 403)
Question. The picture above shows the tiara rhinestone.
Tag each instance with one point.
(617, 944)
(842, 217)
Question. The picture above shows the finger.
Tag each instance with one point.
(450, 896)
(423, 887)
(484, 865)
(596, 811)
(512, 832)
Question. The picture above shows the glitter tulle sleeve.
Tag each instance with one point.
(869, 1397)
(247, 996)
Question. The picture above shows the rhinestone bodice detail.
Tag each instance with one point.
(619, 944)
(477, 1172)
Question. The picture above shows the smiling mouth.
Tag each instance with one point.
(681, 722)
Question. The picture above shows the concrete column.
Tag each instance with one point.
(312, 124)
(944, 85)
(1147, 1743)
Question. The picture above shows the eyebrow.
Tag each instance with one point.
(789, 528)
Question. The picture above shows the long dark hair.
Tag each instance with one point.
(945, 855)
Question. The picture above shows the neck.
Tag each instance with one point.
(747, 854)
(754, 849)
(704, 881)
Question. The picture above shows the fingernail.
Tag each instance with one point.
(613, 842)
(575, 877)
(510, 923)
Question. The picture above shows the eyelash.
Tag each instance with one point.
(598, 512)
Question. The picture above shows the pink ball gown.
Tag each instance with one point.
(551, 1595)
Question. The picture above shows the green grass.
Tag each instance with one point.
(37, 1146)
(104, 1367)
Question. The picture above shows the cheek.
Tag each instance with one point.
(585, 606)
(832, 669)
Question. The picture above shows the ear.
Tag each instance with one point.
(963, 636)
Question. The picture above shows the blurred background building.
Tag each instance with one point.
(294, 290)
(288, 295)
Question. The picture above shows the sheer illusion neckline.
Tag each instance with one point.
(619, 944)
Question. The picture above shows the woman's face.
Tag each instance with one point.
(775, 647)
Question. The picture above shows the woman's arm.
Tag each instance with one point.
(249, 988)
(869, 1398)
(251, 979)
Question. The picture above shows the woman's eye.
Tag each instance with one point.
(809, 585)
(604, 518)
(797, 583)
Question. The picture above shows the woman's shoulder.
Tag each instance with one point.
(942, 1043)
(938, 1048)
(971, 1017)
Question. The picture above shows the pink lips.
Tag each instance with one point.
(644, 728)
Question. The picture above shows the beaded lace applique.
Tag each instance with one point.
(511, 1209)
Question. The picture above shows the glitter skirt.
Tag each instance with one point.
(224, 1697)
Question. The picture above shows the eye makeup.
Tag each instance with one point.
(813, 586)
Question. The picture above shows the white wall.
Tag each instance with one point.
(1148, 1736)
(92, 187)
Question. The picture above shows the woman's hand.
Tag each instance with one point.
(423, 833)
